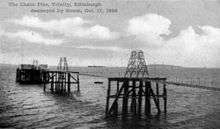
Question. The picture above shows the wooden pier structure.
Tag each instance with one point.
(133, 96)
(30, 74)
(61, 81)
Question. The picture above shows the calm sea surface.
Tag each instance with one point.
(28, 106)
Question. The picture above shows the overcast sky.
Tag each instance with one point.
(174, 32)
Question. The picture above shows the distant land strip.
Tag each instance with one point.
(92, 75)
(193, 86)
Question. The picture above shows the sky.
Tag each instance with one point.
(172, 32)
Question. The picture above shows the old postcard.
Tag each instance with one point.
(110, 64)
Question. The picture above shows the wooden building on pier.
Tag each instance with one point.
(30, 74)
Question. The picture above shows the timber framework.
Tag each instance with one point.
(135, 96)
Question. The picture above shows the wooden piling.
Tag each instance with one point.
(147, 98)
(157, 93)
(56, 82)
(44, 80)
(116, 102)
(52, 84)
(140, 97)
(68, 85)
(65, 78)
(44, 86)
(117, 86)
(125, 99)
(78, 88)
(133, 100)
(62, 83)
(165, 97)
(108, 96)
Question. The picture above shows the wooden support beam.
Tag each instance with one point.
(140, 97)
(133, 100)
(107, 99)
(68, 81)
(56, 84)
(121, 79)
(52, 84)
(44, 86)
(78, 88)
(61, 84)
(117, 96)
(44, 76)
(117, 86)
(64, 82)
(157, 93)
(147, 98)
(125, 99)
(165, 97)
(155, 100)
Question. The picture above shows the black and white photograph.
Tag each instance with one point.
(109, 64)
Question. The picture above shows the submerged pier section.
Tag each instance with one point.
(61, 81)
(134, 96)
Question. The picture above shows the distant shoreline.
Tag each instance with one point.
(97, 66)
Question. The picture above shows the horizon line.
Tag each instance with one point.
(121, 66)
